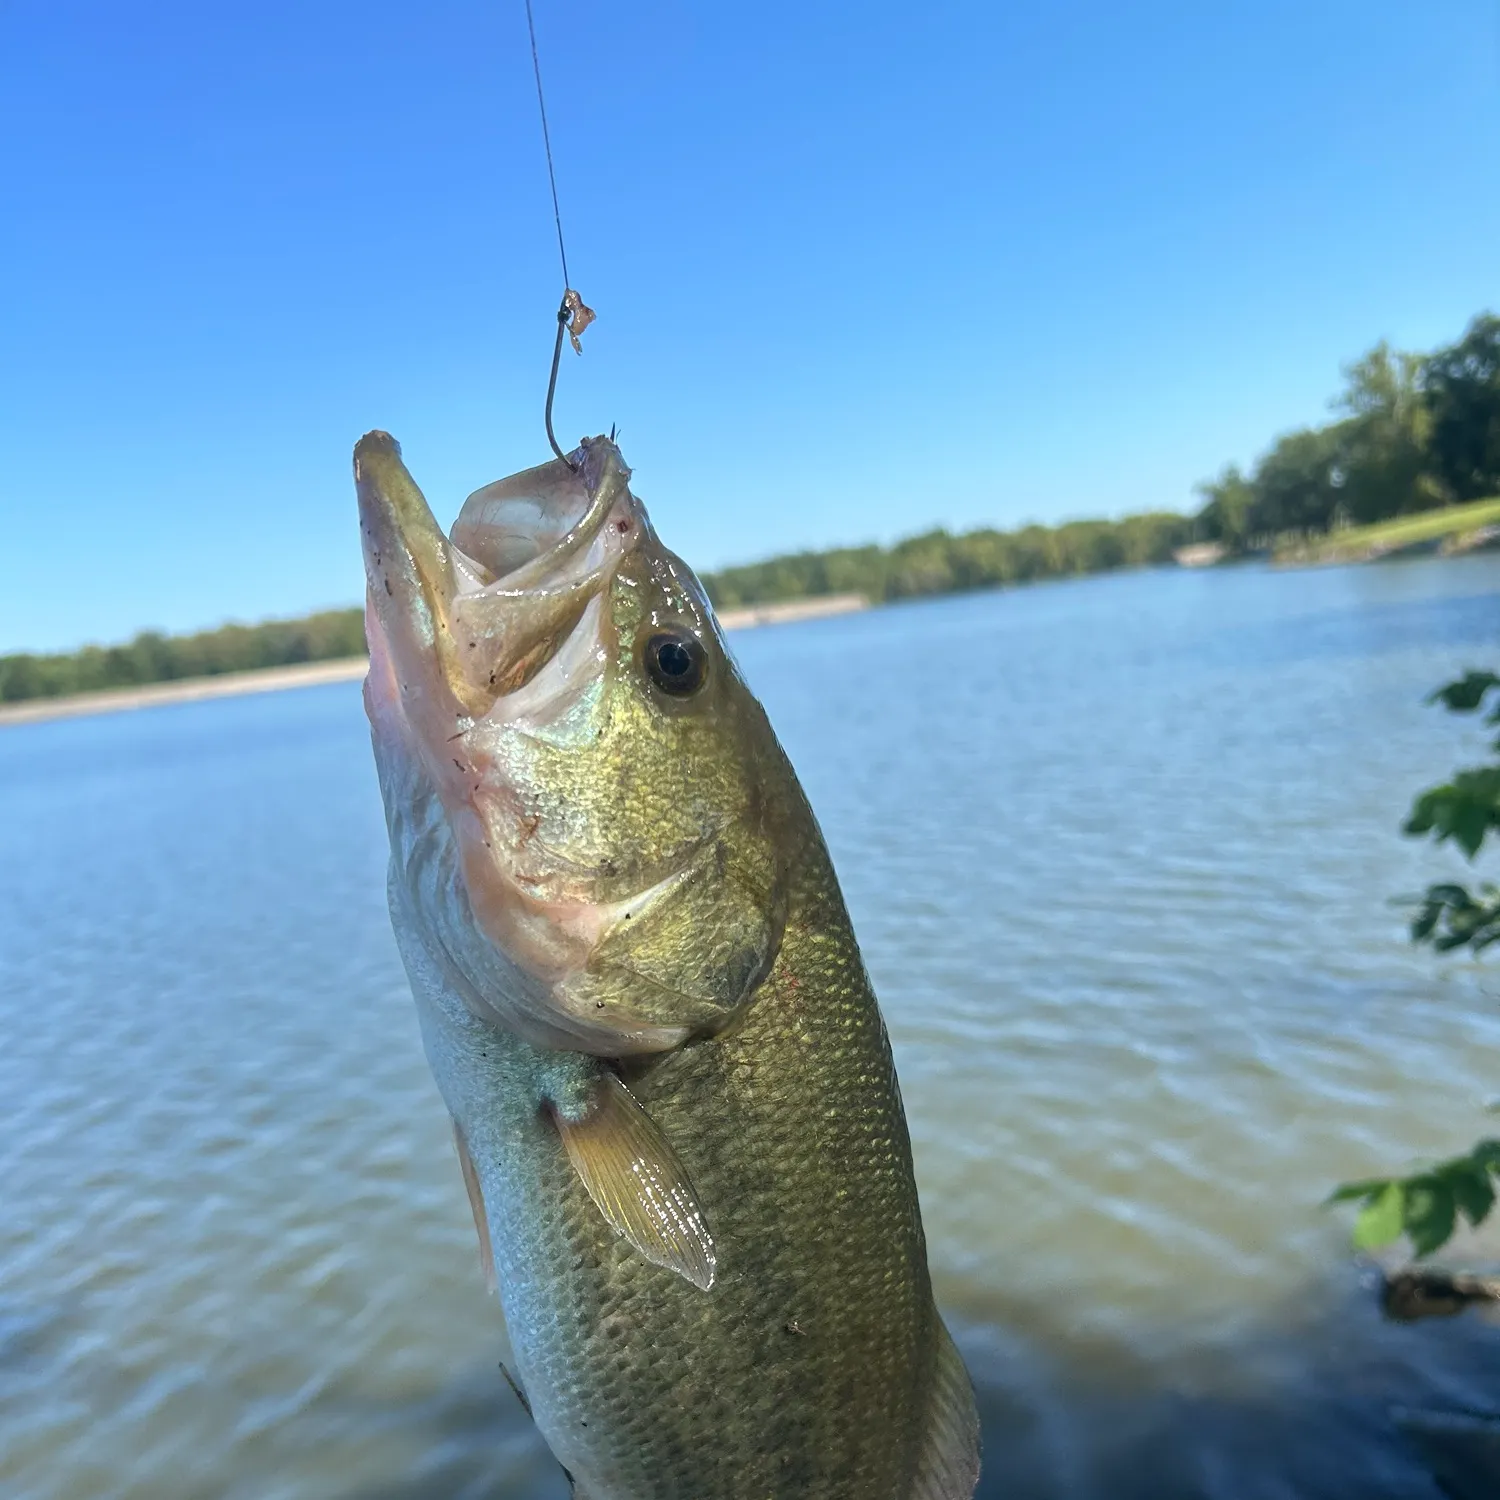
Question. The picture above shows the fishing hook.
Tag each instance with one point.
(563, 314)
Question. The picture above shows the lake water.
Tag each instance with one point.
(1120, 853)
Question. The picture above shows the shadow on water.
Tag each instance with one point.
(475, 1443)
(1299, 1411)
(1303, 1406)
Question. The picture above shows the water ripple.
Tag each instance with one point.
(1120, 854)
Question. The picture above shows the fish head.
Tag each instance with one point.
(612, 795)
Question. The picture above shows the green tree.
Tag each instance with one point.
(938, 562)
(1298, 484)
(152, 657)
(1413, 432)
(1228, 509)
(1462, 389)
(1383, 449)
(1427, 1206)
(1151, 538)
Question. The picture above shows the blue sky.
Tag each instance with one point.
(858, 271)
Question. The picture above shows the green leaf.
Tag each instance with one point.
(1451, 917)
(1468, 824)
(1469, 1182)
(1431, 1213)
(1487, 1154)
(1465, 810)
(1452, 895)
(1422, 815)
(1381, 1219)
(1451, 940)
(1425, 921)
(1467, 693)
(1347, 1191)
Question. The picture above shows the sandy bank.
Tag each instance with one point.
(792, 609)
(312, 674)
(227, 685)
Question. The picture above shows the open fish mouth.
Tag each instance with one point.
(466, 621)
(478, 641)
(534, 551)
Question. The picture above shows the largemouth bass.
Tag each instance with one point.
(640, 995)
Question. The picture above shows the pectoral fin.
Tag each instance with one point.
(637, 1182)
(476, 1207)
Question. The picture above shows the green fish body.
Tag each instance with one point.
(644, 1006)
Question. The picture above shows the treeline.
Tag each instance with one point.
(1415, 432)
(934, 563)
(940, 563)
(152, 657)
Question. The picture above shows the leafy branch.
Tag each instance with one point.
(1451, 916)
(1427, 1206)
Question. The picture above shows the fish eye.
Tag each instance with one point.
(676, 662)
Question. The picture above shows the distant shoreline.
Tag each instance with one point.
(186, 690)
(784, 611)
(345, 669)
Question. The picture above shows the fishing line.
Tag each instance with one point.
(541, 104)
(572, 317)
